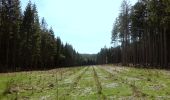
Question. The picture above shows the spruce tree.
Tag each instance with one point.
(10, 20)
(26, 34)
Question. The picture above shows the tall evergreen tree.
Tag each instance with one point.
(10, 20)
(26, 33)
(36, 38)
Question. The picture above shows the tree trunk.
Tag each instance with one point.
(165, 49)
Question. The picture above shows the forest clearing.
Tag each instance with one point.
(84, 50)
(105, 82)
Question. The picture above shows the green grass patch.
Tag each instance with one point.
(83, 83)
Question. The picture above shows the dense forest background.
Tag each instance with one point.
(26, 43)
(140, 37)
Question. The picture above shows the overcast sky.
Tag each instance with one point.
(85, 24)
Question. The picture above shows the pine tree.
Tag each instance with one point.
(58, 51)
(10, 20)
(36, 38)
(26, 33)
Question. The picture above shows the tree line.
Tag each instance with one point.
(109, 55)
(140, 35)
(26, 43)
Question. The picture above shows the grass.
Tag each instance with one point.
(82, 83)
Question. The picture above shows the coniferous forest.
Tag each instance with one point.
(35, 64)
(140, 35)
(26, 43)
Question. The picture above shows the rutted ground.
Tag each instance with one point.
(85, 88)
(37, 85)
(86, 83)
(141, 83)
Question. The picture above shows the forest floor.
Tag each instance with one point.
(87, 83)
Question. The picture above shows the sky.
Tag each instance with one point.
(85, 24)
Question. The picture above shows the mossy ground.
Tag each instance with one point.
(86, 83)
